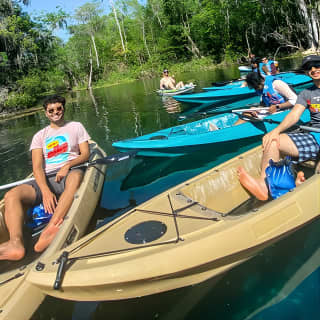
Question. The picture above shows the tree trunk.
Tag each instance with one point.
(312, 43)
(95, 49)
(118, 24)
(194, 49)
(156, 14)
(144, 39)
(90, 71)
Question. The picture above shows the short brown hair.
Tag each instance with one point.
(53, 99)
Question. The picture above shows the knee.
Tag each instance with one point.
(74, 180)
(11, 195)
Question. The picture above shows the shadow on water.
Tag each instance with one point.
(282, 283)
(146, 177)
(152, 169)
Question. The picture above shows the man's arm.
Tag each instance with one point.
(49, 199)
(161, 84)
(284, 89)
(266, 70)
(83, 157)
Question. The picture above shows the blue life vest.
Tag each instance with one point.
(268, 64)
(269, 95)
(280, 177)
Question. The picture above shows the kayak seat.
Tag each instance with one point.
(159, 137)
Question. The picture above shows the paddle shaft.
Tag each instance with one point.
(107, 160)
(303, 127)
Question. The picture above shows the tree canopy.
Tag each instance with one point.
(111, 39)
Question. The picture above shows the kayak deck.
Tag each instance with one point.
(190, 233)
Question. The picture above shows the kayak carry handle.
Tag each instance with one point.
(63, 259)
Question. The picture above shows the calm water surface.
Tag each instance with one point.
(253, 290)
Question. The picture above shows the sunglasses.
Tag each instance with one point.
(312, 65)
(58, 109)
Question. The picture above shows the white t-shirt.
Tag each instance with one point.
(59, 145)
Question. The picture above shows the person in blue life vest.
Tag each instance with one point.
(275, 94)
(301, 146)
(267, 67)
(54, 149)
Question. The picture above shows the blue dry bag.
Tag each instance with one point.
(37, 216)
(280, 177)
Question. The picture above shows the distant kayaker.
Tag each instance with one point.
(267, 67)
(301, 146)
(55, 149)
(168, 82)
(255, 64)
(275, 93)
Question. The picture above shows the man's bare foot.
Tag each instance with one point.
(212, 127)
(300, 178)
(47, 235)
(257, 187)
(12, 250)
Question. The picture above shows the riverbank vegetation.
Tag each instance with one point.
(118, 40)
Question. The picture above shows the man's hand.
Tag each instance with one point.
(49, 201)
(273, 108)
(62, 172)
(273, 135)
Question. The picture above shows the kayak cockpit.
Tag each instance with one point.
(220, 191)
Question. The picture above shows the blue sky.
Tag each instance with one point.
(36, 6)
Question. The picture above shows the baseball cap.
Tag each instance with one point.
(308, 61)
(165, 70)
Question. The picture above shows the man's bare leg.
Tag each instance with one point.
(73, 181)
(257, 185)
(15, 200)
(180, 85)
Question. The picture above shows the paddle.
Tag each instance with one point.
(253, 119)
(223, 83)
(107, 160)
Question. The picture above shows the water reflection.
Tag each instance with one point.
(171, 105)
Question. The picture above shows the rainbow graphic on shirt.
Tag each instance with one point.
(57, 149)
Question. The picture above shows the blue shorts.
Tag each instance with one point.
(306, 144)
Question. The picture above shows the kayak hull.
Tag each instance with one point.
(216, 94)
(19, 298)
(194, 136)
(170, 93)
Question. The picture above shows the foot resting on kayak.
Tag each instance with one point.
(12, 250)
(300, 178)
(47, 236)
(256, 186)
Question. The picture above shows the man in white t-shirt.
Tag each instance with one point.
(55, 149)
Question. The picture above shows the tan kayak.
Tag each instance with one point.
(195, 231)
(19, 298)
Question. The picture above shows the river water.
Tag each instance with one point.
(129, 110)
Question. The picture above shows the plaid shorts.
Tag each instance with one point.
(306, 144)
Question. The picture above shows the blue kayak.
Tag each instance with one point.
(237, 92)
(238, 83)
(193, 136)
